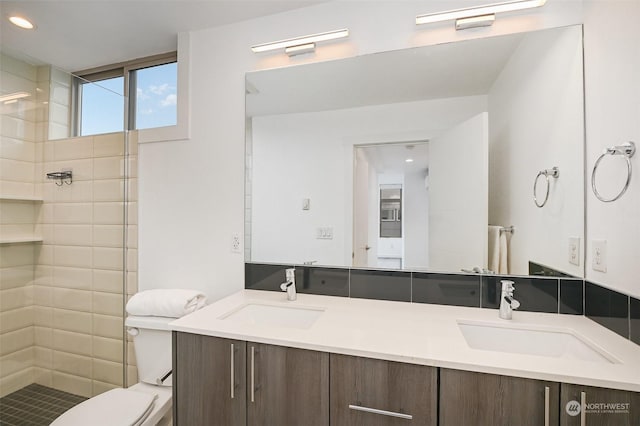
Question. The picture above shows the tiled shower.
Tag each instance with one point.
(68, 248)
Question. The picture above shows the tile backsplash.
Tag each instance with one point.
(564, 295)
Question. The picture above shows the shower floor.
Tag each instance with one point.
(35, 405)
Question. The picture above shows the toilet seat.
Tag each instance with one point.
(122, 407)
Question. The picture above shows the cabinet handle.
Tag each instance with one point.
(233, 379)
(546, 405)
(253, 373)
(383, 412)
(583, 407)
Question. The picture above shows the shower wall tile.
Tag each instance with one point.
(108, 190)
(82, 171)
(101, 387)
(79, 191)
(16, 319)
(107, 349)
(108, 258)
(72, 299)
(108, 168)
(70, 320)
(72, 278)
(109, 213)
(17, 340)
(73, 256)
(73, 235)
(107, 304)
(108, 326)
(69, 363)
(107, 281)
(107, 371)
(63, 340)
(79, 213)
(108, 236)
(72, 384)
(73, 149)
(108, 145)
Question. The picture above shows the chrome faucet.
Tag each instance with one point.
(507, 302)
(290, 284)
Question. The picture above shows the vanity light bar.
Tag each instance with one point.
(300, 49)
(300, 41)
(478, 11)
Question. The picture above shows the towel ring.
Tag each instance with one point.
(627, 149)
(554, 173)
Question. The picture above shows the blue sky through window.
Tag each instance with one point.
(102, 107)
(156, 96)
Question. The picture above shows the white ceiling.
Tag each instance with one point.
(81, 34)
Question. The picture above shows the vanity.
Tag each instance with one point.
(255, 358)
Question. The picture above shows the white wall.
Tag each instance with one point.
(192, 191)
(416, 229)
(310, 155)
(612, 70)
(536, 123)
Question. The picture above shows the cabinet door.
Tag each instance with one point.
(209, 381)
(287, 386)
(477, 399)
(590, 406)
(370, 392)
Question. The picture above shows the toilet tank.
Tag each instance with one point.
(152, 345)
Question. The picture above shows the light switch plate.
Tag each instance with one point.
(324, 233)
(599, 255)
(574, 250)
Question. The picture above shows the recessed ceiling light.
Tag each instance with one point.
(409, 160)
(21, 22)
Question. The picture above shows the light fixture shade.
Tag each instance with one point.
(299, 41)
(477, 11)
(21, 22)
(475, 21)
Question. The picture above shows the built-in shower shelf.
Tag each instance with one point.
(20, 198)
(21, 239)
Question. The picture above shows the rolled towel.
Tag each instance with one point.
(173, 303)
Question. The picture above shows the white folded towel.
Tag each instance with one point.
(172, 303)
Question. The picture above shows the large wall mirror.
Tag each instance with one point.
(437, 158)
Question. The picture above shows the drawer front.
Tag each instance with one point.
(370, 392)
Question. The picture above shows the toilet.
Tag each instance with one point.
(147, 403)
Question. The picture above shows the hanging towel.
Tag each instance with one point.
(498, 250)
(172, 303)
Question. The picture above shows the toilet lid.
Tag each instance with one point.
(115, 407)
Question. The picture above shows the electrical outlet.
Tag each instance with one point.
(599, 255)
(574, 250)
(235, 244)
(324, 233)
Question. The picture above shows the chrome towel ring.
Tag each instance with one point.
(554, 173)
(627, 149)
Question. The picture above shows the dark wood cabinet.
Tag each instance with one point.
(227, 382)
(209, 380)
(592, 406)
(477, 399)
(370, 392)
(287, 386)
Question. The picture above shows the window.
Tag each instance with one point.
(101, 95)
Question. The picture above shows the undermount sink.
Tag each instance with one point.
(531, 340)
(275, 315)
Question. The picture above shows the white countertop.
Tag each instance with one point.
(423, 334)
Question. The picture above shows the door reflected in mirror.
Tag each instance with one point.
(470, 124)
